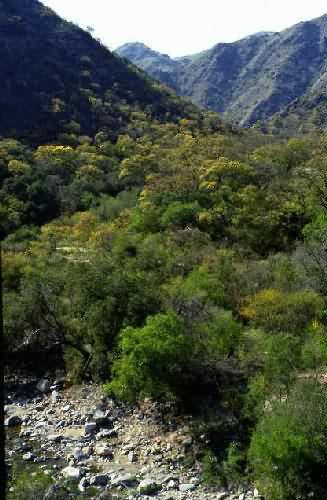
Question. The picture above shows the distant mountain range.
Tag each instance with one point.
(278, 76)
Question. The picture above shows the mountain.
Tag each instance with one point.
(248, 80)
(159, 66)
(305, 114)
(56, 78)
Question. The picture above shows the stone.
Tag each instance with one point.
(78, 453)
(55, 396)
(132, 457)
(148, 487)
(43, 385)
(99, 480)
(13, 421)
(29, 456)
(107, 433)
(66, 408)
(55, 438)
(187, 441)
(90, 428)
(172, 485)
(52, 491)
(126, 480)
(186, 487)
(103, 450)
(83, 484)
(222, 496)
(101, 419)
(256, 493)
(72, 472)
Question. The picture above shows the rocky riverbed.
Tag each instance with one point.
(107, 449)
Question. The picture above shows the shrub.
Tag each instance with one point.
(180, 214)
(276, 311)
(151, 359)
(288, 450)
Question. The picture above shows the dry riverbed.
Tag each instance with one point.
(109, 450)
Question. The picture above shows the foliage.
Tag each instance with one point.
(288, 450)
(152, 359)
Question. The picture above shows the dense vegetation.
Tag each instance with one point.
(66, 82)
(174, 259)
(252, 79)
(180, 265)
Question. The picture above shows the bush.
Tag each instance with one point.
(288, 450)
(151, 359)
(180, 214)
(276, 311)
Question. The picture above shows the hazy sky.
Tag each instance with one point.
(180, 27)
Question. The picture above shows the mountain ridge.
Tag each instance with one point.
(251, 79)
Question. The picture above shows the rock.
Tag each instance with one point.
(148, 487)
(78, 453)
(256, 493)
(72, 472)
(103, 450)
(126, 480)
(13, 421)
(29, 456)
(66, 408)
(132, 457)
(99, 480)
(90, 428)
(107, 433)
(52, 491)
(222, 496)
(187, 441)
(101, 419)
(172, 485)
(83, 484)
(43, 385)
(55, 438)
(55, 396)
(186, 487)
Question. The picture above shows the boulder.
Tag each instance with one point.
(186, 487)
(13, 421)
(29, 456)
(101, 419)
(107, 433)
(125, 480)
(43, 385)
(90, 428)
(148, 487)
(72, 472)
(132, 457)
(99, 480)
(222, 495)
(103, 450)
(83, 484)
(55, 438)
(172, 485)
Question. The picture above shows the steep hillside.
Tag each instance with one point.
(159, 66)
(253, 78)
(56, 78)
(305, 114)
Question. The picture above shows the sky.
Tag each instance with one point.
(181, 27)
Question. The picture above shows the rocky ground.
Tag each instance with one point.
(110, 450)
